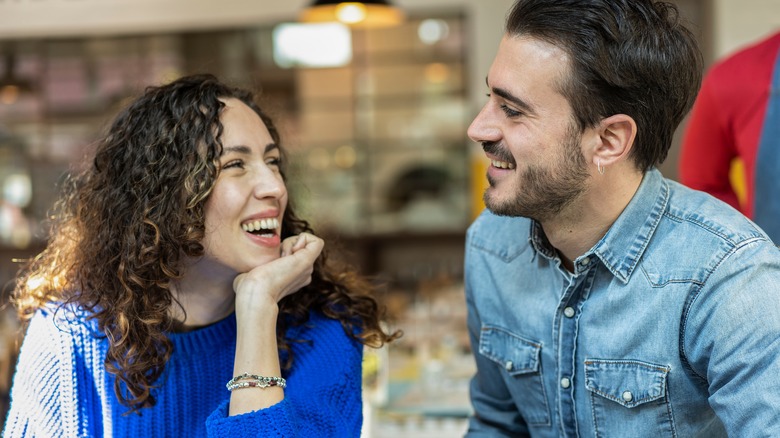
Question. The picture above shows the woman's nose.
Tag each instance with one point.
(268, 184)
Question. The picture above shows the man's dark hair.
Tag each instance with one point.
(631, 57)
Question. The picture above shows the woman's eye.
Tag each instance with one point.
(274, 161)
(238, 164)
(509, 111)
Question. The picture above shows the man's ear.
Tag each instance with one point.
(615, 138)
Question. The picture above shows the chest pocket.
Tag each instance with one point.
(520, 366)
(628, 395)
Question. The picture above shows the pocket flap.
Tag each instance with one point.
(515, 354)
(627, 382)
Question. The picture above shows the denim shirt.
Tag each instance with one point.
(668, 327)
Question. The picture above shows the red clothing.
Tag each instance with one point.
(726, 122)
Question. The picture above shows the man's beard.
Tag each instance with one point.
(545, 192)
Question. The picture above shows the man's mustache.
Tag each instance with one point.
(495, 148)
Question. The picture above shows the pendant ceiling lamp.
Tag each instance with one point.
(372, 13)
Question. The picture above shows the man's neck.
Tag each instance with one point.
(575, 230)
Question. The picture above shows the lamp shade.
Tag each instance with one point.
(371, 13)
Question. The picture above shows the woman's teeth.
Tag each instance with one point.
(261, 224)
(502, 164)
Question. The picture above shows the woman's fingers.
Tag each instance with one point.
(293, 244)
(301, 242)
(287, 245)
(310, 244)
(287, 274)
(304, 251)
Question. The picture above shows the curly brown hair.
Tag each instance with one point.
(122, 229)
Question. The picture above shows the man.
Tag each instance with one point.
(737, 115)
(605, 300)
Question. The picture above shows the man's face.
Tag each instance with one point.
(528, 132)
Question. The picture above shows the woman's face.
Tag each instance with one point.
(243, 214)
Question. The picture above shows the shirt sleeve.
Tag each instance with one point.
(708, 146)
(322, 398)
(495, 414)
(732, 339)
(42, 381)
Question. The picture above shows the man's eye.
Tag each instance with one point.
(509, 111)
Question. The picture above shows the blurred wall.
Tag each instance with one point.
(734, 23)
(62, 18)
(722, 25)
(738, 23)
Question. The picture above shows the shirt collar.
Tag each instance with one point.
(622, 246)
(625, 242)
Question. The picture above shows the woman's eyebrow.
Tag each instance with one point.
(246, 150)
(239, 149)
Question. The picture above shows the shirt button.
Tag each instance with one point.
(565, 383)
(508, 365)
(585, 261)
(569, 312)
(627, 396)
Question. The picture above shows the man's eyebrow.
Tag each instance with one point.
(504, 94)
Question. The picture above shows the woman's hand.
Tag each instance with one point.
(257, 296)
(267, 284)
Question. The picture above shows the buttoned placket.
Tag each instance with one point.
(566, 329)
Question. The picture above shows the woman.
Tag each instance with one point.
(179, 295)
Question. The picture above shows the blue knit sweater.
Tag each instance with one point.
(61, 388)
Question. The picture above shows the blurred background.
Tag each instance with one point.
(373, 119)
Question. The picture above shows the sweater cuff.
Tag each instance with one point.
(273, 421)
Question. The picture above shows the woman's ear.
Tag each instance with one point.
(615, 138)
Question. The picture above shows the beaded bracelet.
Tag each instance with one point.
(247, 380)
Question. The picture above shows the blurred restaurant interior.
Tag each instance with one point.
(373, 119)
